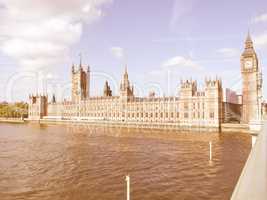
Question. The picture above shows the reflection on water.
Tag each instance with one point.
(59, 162)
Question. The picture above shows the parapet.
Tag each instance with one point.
(37, 97)
(188, 84)
(213, 83)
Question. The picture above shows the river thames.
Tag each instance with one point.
(56, 162)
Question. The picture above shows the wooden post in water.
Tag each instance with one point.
(210, 151)
(128, 186)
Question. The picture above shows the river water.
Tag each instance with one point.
(56, 162)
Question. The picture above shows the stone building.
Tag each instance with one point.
(80, 83)
(192, 107)
(38, 107)
(252, 85)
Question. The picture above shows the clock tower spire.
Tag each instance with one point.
(252, 84)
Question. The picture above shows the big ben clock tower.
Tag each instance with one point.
(252, 85)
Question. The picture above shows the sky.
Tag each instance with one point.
(160, 42)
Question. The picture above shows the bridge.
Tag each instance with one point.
(252, 184)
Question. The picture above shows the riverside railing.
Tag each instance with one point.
(252, 184)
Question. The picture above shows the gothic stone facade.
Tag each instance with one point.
(38, 107)
(191, 108)
(252, 84)
(80, 83)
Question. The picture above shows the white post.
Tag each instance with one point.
(128, 186)
(210, 151)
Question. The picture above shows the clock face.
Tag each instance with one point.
(248, 64)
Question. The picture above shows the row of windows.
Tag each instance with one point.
(137, 107)
(195, 105)
(119, 108)
(146, 115)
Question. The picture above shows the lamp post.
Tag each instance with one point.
(128, 186)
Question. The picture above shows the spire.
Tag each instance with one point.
(125, 76)
(73, 68)
(105, 87)
(248, 43)
(80, 60)
(248, 36)
(54, 99)
(107, 90)
(125, 70)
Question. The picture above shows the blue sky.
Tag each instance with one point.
(160, 42)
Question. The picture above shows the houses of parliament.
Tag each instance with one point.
(192, 107)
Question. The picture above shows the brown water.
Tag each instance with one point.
(76, 163)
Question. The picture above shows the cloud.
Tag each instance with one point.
(177, 66)
(261, 40)
(260, 18)
(117, 52)
(39, 34)
(180, 61)
(228, 52)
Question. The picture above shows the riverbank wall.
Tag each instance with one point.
(147, 125)
(123, 124)
(225, 127)
(12, 120)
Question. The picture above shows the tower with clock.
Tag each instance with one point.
(252, 84)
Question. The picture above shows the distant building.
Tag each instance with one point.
(231, 96)
(240, 99)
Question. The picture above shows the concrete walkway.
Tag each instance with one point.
(252, 184)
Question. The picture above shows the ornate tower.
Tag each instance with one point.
(188, 88)
(88, 74)
(107, 90)
(126, 90)
(252, 84)
(214, 94)
(37, 106)
(80, 83)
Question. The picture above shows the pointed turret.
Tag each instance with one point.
(125, 70)
(88, 80)
(54, 99)
(125, 76)
(249, 49)
(107, 90)
(80, 60)
(248, 35)
(125, 88)
(106, 84)
(248, 43)
(125, 80)
(73, 68)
